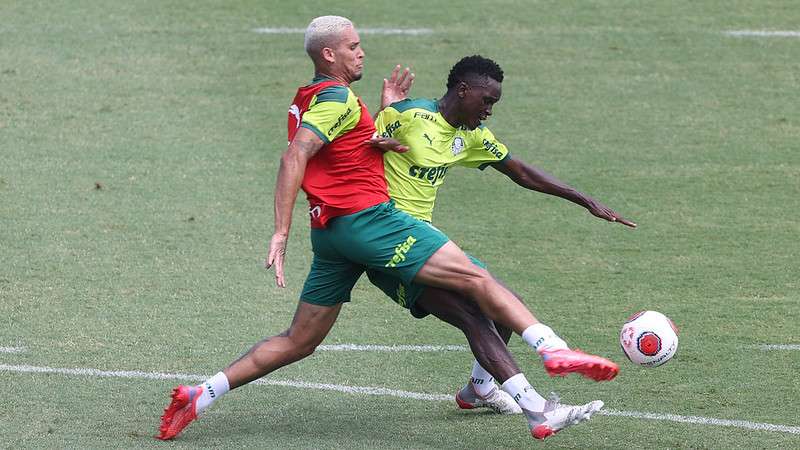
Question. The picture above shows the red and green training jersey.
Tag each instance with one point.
(346, 175)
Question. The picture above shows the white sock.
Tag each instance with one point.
(482, 381)
(542, 337)
(213, 388)
(523, 393)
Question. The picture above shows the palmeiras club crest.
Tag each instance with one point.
(458, 145)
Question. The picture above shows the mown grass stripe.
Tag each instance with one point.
(780, 347)
(762, 33)
(384, 31)
(12, 349)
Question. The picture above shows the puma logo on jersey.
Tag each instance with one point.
(295, 111)
(430, 141)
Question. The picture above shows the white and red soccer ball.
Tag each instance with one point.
(649, 339)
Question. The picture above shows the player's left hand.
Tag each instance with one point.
(602, 211)
(387, 144)
(397, 87)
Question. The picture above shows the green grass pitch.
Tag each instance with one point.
(139, 143)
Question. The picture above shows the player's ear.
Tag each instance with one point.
(462, 88)
(328, 55)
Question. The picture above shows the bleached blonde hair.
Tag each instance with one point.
(323, 32)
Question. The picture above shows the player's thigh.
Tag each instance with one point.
(330, 281)
(450, 268)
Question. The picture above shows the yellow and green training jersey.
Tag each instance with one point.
(434, 146)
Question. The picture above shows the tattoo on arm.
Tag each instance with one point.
(307, 147)
(307, 143)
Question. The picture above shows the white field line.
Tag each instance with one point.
(705, 421)
(392, 348)
(12, 349)
(406, 31)
(766, 347)
(136, 374)
(762, 33)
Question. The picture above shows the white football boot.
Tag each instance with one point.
(497, 399)
(556, 416)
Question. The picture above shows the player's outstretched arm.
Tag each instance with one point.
(396, 87)
(536, 179)
(290, 176)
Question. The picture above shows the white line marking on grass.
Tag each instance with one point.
(137, 374)
(704, 421)
(762, 33)
(12, 349)
(393, 348)
(406, 31)
(779, 347)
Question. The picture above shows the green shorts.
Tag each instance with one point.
(380, 238)
(403, 293)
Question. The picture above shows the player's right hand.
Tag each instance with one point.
(397, 86)
(277, 252)
(387, 144)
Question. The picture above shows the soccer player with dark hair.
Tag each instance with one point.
(355, 227)
(447, 132)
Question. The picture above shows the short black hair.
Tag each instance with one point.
(474, 65)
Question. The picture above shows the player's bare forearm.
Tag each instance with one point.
(533, 178)
(536, 179)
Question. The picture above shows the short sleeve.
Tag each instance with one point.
(332, 112)
(483, 149)
(389, 123)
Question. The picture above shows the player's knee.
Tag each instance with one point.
(476, 284)
(304, 345)
(306, 349)
(299, 345)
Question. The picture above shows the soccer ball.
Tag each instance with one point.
(649, 338)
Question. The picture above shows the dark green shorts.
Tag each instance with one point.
(403, 293)
(381, 238)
